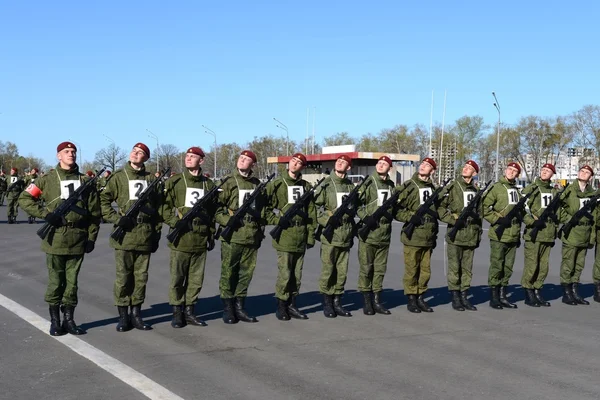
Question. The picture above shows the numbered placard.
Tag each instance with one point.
(243, 195)
(382, 196)
(340, 197)
(582, 202)
(136, 187)
(13, 179)
(192, 195)
(545, 200)
(424, 194)
(68, 187)
(467, 198)
(294, 193)
(513, 196)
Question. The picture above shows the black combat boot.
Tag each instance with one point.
(379, 308)
(328, 310)
(191, 318)
(412, 304)
(293, 310)
(465, 301)
(576, 296)
(228, 313)
(11, 220)
(124, 324)
(597, 292)
(568, 295)
(503, 300)
(422, 304)
(281, 312)
(55, 326)
(540, 299)
(530, 298)
(339, 309)
(31, 220)
(177, 321)
(368, 304)
(456, 303)
(68, 323)
(495, 298)
(136, 319)
(240, 312)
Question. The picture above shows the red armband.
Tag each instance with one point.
(34, 191)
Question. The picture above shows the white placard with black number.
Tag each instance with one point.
(340, 198)
(468, 197)
(424, 194)
(192, 195)
(294, 193)
(545, 199)
(382, 196)
(13, 179)
(582, 202)
(136, 188)
(513, 196)
(68, 187)
(243, 195)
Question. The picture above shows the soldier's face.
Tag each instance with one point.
(342, 166)
(382, 167)
(295, 165)
(67, 157)
(137, 156)
(468, 171)
(511, 173)
(244, 163)
(425, 169)
(584, 175)
(546, 174)
(193, 161)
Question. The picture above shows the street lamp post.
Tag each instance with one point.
(287, 135)
(214, 135)
(497, 105)
(152, 135)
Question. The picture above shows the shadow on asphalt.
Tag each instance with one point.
(211, 308)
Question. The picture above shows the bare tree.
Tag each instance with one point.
(111, 157)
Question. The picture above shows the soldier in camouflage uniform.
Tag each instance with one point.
(73, 234)
(460, 252)
(596, 268)
(581, 237)
(16, 184)
(238, 254)
(418, 249)
(497, 203)
(295, 238)
(335, 254)
(132, 256)
(3, 187)
(188, 253)
(374, 249)
(537, 254)
(29, 179)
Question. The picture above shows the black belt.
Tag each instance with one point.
(142, 219)
(249, 218)
(297, 223)
(585, 224)
(77, 224)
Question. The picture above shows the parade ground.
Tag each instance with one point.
(527, 353)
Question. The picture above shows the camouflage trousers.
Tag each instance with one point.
(596, 271)
(573, 262)
(13, 204)
(187, 276)
(334, 269)
(131, 277)
(63, 272)
(237, 269)
(502, 261)
(460, 266)
(417, 269)
(373, 266)
(537, 262)
(289, 276)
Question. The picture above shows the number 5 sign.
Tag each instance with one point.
(294, 193)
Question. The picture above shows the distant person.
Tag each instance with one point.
(327, 172)
(16, 184)
(3, 187)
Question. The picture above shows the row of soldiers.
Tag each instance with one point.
(192, 206)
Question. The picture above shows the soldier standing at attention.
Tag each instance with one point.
(72, 237)
(374, 249)
(418, 249)
(574, 248)
(3, 187)
(497, 203)
(296, 236)
(16, 184)
(335, 254)
(461, 251)
(537, 254)
(239, 253)
(132, 256)
(188, 253)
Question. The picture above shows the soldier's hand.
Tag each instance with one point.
(55, 220)
(126, 223)
(183, 226)
(370, 222)
(504, 222)
(283, 223)
(538, 224)
(89, 246)
(415, 220)
(210, 243)
(459, 223)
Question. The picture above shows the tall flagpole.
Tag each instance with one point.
(442, 140)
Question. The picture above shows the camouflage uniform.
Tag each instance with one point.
(16, 184)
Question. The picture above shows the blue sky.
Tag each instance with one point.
(82, 70)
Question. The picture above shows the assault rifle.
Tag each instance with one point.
(235, 221)
(195, 211)
(424, 209)
(514, 212)
(584, 211)
(347, 207)
(381, 211)
(140, 205)
(549, 212)
(70, 204)
(469, 210)
(296, 209)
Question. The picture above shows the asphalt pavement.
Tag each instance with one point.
(527, 353)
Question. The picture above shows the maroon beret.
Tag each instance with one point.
(515, 165)
(430, 161)
(588, 168)
(551, 168)
(250, 154)
(196, 150)
(386, 159)
(346, 158)
(65, 145)
(473, 164)
(143, 147)
(300, 157)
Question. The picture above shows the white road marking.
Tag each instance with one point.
(131, 377)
